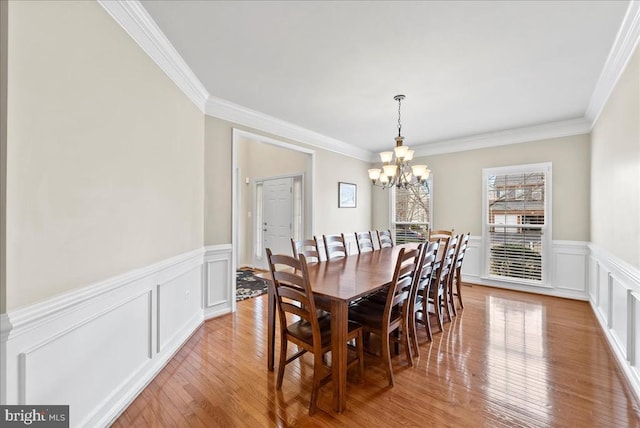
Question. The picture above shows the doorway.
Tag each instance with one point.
(257, 160)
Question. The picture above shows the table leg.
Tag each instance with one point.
(339, 325)
(271, 325)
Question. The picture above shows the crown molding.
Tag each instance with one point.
(226, 110)
(137, 22)
(621, 51)
(544, 131)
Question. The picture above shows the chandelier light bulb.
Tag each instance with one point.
(390, 170)
(386, 157)
(374, 174)
(409, 156)
(401, 151)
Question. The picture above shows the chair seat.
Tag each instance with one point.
(369, 314)
(302, 330)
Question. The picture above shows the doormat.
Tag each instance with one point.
(248, 286)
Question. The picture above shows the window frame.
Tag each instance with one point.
(546, 229)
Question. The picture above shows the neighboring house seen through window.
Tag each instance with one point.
(517, 222)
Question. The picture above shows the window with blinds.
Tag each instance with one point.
(517, 221)
(411, 213)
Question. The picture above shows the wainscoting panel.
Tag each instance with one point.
(594, 272)
(97, 347)
(79, 379)
(179, 301)
(616, 305)
(568, 270)
(634, 333)
(570, 267)
(220, 283)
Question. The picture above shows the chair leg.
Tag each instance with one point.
(445, 302)
(360, 353)
(408, 349)
(437, 302)
(450, 298)
(283, 361)
(317, 368)
(386, 357)
(413, 333)
(459, 287)
(425, 315)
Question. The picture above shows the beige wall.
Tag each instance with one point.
(615, 169)
(330, 168)
(105, 168)
(4, 9)
(457, 185)
(258, 160)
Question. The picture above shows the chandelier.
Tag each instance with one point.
(399, 172)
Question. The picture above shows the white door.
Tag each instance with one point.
(278, 215)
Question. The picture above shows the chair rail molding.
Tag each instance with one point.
(114, 335)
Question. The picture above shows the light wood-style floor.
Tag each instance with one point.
(508, 360)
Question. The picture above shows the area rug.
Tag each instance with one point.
(248, 286)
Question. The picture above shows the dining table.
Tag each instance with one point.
(339, 281)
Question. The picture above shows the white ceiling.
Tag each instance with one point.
(466, 68)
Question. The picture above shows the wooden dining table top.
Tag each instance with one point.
(354, 276)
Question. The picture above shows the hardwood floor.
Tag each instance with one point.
(508, 360)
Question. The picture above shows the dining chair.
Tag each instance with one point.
(418, 311)
(364, 242)
(311, 332)
(442, 233)
(455, 277)
(438, 297)
(392, 317)
(385, 238)
(335, 246)
(308, 247)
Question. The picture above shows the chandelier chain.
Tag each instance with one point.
(399, 124)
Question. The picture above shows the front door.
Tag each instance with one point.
(278, 215)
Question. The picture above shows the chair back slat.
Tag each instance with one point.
(385, 239)
(364, 242)
(308, 247)
(335, 246)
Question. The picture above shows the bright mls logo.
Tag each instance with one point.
(34, 416)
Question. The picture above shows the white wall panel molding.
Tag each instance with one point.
(621, 51)
(97, 347)
(219, 281)
(137, 22)
(615, 300)
(568, 267)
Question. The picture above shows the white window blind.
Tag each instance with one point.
(517, 221)
(411, 213)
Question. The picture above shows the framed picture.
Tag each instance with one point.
(346, 195)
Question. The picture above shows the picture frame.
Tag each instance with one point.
(347, 195)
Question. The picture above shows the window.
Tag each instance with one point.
(517, 222)
(411, 213)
